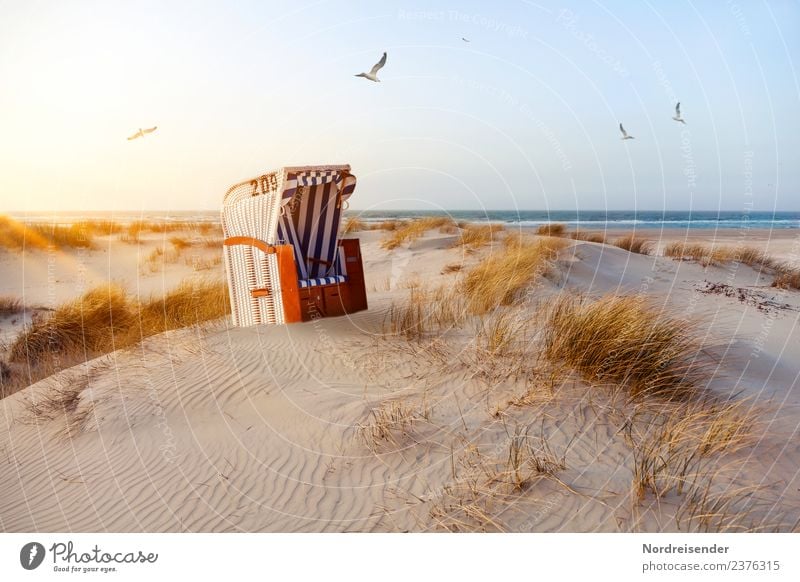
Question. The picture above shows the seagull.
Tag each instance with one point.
(678, 113)
(625, 133)
(373, 74)
(142, 132)
(464, 39)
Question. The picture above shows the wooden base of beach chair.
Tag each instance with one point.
(310, 303)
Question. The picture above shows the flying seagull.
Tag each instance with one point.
(678, 113)
(373, 74)
(464, 39)
(142, 132)
(625, 133)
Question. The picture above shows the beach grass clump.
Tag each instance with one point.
(10, 305)
(710, 255)
(15, 235)
(674, 449)
(105, 319)
(552, 229)
(84, 325)
(786, 276)
(180, 243)
(425, 311)
(192, 302)
(388, 225)
(588, 236)
(389, 422)
(409, 231)
(353, 224)
(478, 235)
(490, 483)
(634, 244)
(788, 279)
(501, 277)
(625, 341)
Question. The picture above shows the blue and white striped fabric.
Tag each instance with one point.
(311, 225)
(345, 181)
(322, 281)
(310, 220)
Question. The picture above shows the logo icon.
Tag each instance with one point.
(31, 555)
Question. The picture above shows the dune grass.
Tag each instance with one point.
(713, 255)
(788, 279)
(501, 277)
(626, 341)
(390, 422)
(180, 243)
(133, 232)
(10, 305)
(478, 235)
(424, 311)
(786, 276)
(353, 224)
(106, 318)
(670, 450)
(15, 235)
(634, 244)
(408, 232)
(490, 483)
(588, 236)
(552, 229)
(388, 225)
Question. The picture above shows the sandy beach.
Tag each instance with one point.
(345, 424)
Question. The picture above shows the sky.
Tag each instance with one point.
(523, 116)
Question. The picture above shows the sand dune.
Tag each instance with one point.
(261, 429)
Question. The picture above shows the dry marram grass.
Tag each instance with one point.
(552, 229)
(408, 232)
(105, 318)
(626, 341)
(634, 244)
(500, 278)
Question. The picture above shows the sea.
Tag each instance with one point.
(587, 219)
(608, 219)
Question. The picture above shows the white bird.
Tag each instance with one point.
(625, 133)
(464, 39)
(678, 113)
(142, 132)
(373, 74)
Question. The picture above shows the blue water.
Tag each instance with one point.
(607, 218)
(588, 219)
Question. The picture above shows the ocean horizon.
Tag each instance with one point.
(589, 219)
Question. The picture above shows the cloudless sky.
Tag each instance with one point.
(524, 115)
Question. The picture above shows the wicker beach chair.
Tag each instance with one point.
(284, 259)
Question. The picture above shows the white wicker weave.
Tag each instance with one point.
(253, 209)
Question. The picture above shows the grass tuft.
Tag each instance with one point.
(624, 340)
(500, 278)
(552, 229)
(478, 235)
(353, 224)
(634, 244)
(408, 232)
(595, 237)
(10, 305)
(105, 319)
